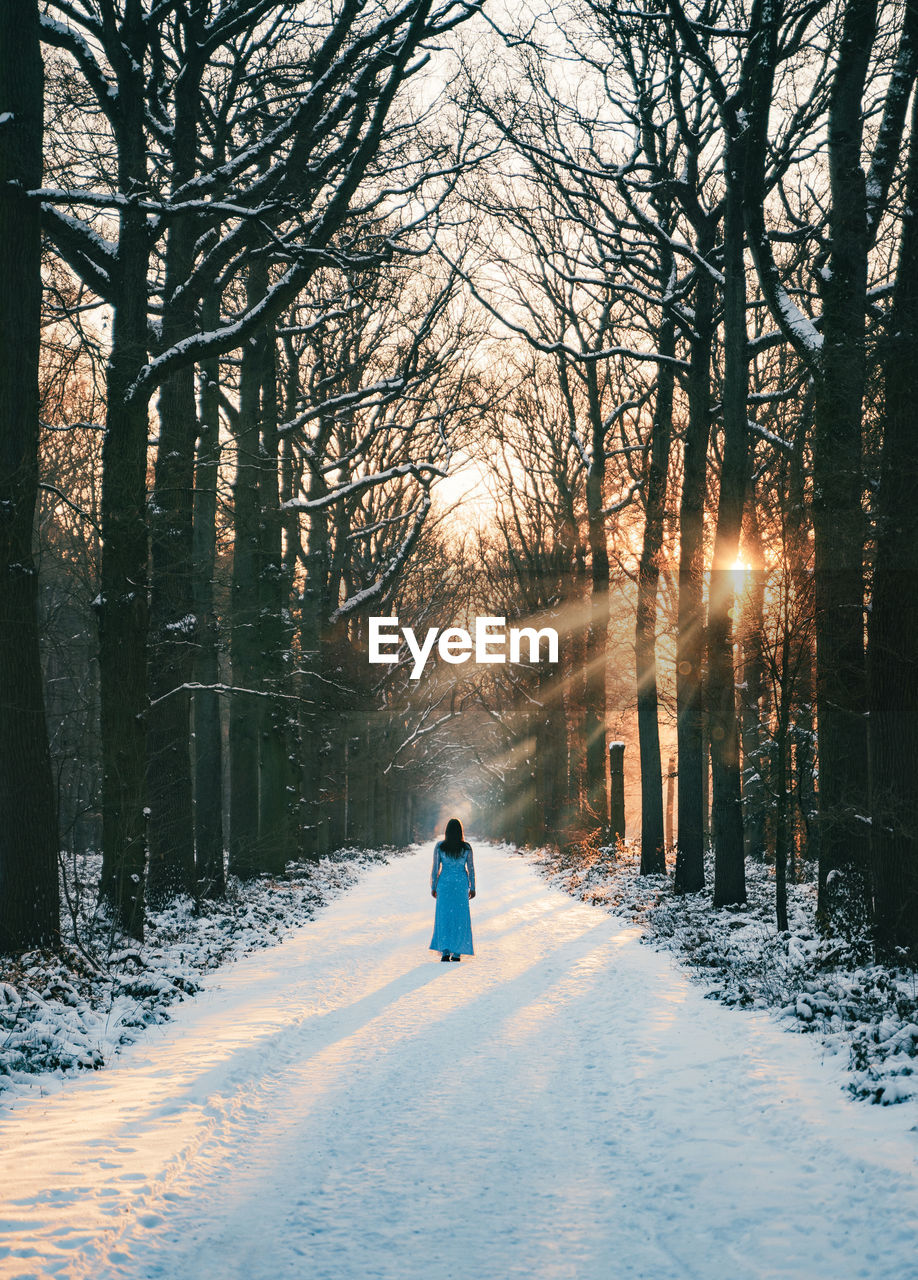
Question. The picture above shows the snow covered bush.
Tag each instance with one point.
(71, 1010)
(814, 983)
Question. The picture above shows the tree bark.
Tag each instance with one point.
(670, 797)
(802, 760)
(893, 651)
(727, 815)
(689, 877)
(838, 486)
(276, 837)
(244, 650)
(752, 691)
(174, 626)
(782, 842)
(208, 736)
(573, 659)
(552, 755)
(123, 608)
(594, 719)
(653, 839)
(29, 893)
(312, 651)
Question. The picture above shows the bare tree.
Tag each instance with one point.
(298, 179)
(29, 896)
(894, 613)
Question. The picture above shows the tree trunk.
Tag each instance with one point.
(208, 735)
(653, 854)
(123, 608)
(573, 669)
(276, 784)
(689, 877)
(706, 780)
(551, 760)
(29, 894)
(838, 486)
(670, 796)
(334, 770)
(803, 758)
(594, 718)
(781, 824)
(244, 652)
(727, 817)
(752, 696)
(173, 646)
(173, 624)
(312, 650)
(893, 652)
(364, 781)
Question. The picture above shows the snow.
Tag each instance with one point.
(186, 625)
(860, 1010)
(566, 1104)
(418, 470)
(778, 441)
(64, 1013)
(66, 37)
(795, 322)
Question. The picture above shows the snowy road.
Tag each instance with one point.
(565, 1104)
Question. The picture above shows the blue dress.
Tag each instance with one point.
(452, 878)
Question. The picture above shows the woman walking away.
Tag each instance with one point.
(452, 883)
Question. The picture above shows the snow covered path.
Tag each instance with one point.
(565, 1104)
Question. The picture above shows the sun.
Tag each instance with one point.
(740, 571)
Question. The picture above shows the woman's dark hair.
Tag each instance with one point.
(453, 841)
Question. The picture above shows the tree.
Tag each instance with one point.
(298, 178)
(530, 564)
(29, 895)
(893, 665)
(833, 348)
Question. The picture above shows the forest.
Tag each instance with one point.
(596, 317)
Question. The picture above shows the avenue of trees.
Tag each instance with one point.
(269, 271)
(706, 245)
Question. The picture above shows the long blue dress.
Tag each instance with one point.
(452, 878)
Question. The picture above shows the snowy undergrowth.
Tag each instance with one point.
(815, 984)
(71, 1010)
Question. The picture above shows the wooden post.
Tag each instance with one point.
(670, 789)
(617, 771)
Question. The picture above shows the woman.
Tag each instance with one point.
(452, 883)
